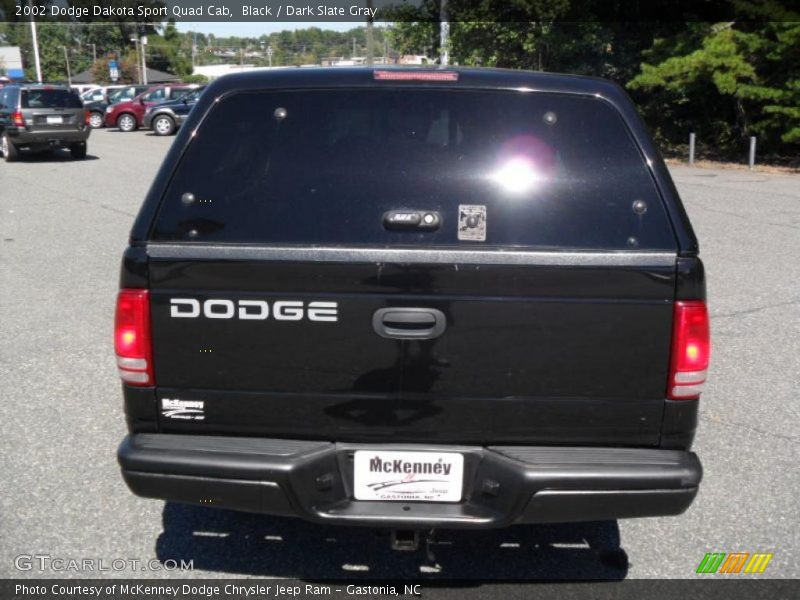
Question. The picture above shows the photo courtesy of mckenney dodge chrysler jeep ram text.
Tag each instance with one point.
(413, 299)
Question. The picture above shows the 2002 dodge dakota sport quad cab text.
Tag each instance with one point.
(413, 299)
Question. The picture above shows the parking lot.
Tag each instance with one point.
(64, 225)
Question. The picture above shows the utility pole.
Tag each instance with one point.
(35, 39)
(94, 52)
(370, 37)
(66, 60)
(143, 42)
(269, 54)
(354, 47)
(135, 40)
(444, 34)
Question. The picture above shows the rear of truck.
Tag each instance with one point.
(413, 299)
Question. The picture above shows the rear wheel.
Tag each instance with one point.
(126, 122)
(10, 151)
(78, 150)
(95, 119)
(163, 125)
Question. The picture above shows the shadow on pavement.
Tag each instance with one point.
(242, 543)
(52, 156)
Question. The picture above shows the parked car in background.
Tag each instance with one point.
(127, 92)
(97, 108)
(129, 115)
(40, 117)
(82, 88)
(99, 94)
(167, 117)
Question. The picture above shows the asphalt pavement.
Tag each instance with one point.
(63, 227)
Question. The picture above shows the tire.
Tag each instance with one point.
(127, 122)
(96, 119)
(10, 151)
(163, 125)
(78, 151)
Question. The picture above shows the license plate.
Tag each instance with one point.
(54, 120)
(408, 476)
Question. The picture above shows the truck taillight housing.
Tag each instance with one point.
(691, 349)
(87, 117)
(17, 119)
(132, 341)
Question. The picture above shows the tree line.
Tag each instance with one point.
(726, 70)
(724, 79)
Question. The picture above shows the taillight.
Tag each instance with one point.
(132, 337)
(691, 349)
(414, 75)
(17, 119)
(87, 117)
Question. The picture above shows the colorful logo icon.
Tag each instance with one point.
(735, 562)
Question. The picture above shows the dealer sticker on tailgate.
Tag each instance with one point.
(409, 476)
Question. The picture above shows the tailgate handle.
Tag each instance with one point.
(409, 323)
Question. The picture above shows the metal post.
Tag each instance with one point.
(444, 34)
(143, 43)
(691, 149)
(35, 39)
(66, 60)
(370, 38)
(752, 152)
(135, 40)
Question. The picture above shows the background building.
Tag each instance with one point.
(11, 62)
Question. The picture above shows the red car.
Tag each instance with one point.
(129, 115)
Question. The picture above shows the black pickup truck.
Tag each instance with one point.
(413, 299)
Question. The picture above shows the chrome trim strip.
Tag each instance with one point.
(410, 255)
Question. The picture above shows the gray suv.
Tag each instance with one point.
(40, 117)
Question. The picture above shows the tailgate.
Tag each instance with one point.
(554, 353)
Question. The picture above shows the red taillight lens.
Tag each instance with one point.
(17, 119)
(87, 116)
(414, 75)
(132, 337)
(691, 349)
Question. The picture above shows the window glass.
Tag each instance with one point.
(323, 167)
(50, 98)
(155, 95)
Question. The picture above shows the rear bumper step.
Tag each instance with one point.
(503, 485)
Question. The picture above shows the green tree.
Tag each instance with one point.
(127, 67)
(726, 81)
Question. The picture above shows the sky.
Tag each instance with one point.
(255, 29)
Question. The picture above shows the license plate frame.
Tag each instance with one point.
(408, 476)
